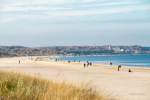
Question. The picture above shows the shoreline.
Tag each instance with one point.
(103, 64)
(46, 59)
(134, 64)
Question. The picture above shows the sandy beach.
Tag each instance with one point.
(103, 78)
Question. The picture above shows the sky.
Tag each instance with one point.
(74, 22)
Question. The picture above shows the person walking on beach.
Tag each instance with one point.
(90, 63)
(119, 67)
(19, 62)
(84, 65)
(56, 60)
(111, 63)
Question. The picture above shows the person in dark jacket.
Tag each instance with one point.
(84, 65)
(119, 67)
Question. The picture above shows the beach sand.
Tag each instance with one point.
(103, 78)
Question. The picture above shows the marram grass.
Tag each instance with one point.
(19, 87)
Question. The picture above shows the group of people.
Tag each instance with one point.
(73, 61)
(87, 64)
(56, 60)
(119, 67)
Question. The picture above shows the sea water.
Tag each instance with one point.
(127, 60)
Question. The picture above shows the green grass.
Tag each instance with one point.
(19, 87)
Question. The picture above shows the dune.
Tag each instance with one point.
(105, 79)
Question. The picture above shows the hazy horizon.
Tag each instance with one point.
(39, 23)
(68, 46)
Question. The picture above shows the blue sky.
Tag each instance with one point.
(74, 22)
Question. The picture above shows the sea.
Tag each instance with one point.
(138, 60)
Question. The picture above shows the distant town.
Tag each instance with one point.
(10, 51)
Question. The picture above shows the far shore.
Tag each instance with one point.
(121, 85)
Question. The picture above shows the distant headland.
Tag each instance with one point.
(10, 51)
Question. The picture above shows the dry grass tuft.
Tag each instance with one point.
(18, 87)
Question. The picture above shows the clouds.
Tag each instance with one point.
(71, 8)
(63, 10)
(48, 5)
(102, 20)
(33, 2)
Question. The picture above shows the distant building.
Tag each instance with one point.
(118, 50)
